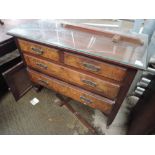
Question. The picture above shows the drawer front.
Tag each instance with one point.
(90, 99)
(96, 67)
(102, 87)
(39, 50)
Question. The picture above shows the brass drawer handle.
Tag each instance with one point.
(90, 83)
(91, 67)
(37, 50)
(42, 81)
(41, 65)
(86, 100)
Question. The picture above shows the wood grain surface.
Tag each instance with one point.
(102, 87)
(96, 67)
(85, 97)
(44, 51)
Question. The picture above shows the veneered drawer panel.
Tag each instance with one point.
(89, 82)
(40, 50)
(97, 67)
(85, 97)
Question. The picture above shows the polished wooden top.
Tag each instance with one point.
(130, 52)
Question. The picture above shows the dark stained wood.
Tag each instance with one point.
(102, 87)
(122, 94)
(37, 88)
(18, 80)
(1, 22)
(99, 68)
(7, 47)
(44, 51)
(142, 116)
(62, 57)
(78, 94)
(9, 63)
(62, 99)
(106, 33)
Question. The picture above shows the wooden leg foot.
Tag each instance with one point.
(1, 22)
(78, 116)
(107, 127)
(38, 88)
(61, 103)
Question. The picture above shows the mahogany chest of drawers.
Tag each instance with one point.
(97, 78)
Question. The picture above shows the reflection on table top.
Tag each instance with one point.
(52, 32)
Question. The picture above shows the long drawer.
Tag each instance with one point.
(85, 97)
(39, 50)
(89, 82)
(94, 66)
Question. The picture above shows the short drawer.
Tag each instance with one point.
(39, 50)
(89, 82)
(96, 67)
(85, 97)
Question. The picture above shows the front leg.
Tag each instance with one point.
(37, 87)
(1, 22)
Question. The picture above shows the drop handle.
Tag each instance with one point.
(89, 82)
(43, 81)
(85, 99)
(91, 67)
(41, 65)
(37, 50)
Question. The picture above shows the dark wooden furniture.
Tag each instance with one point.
(1, 22)
(7, 45)
(142, 120)
(8, 56)
(7, 62)
(86, 64)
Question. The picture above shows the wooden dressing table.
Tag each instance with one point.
(86, 64)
